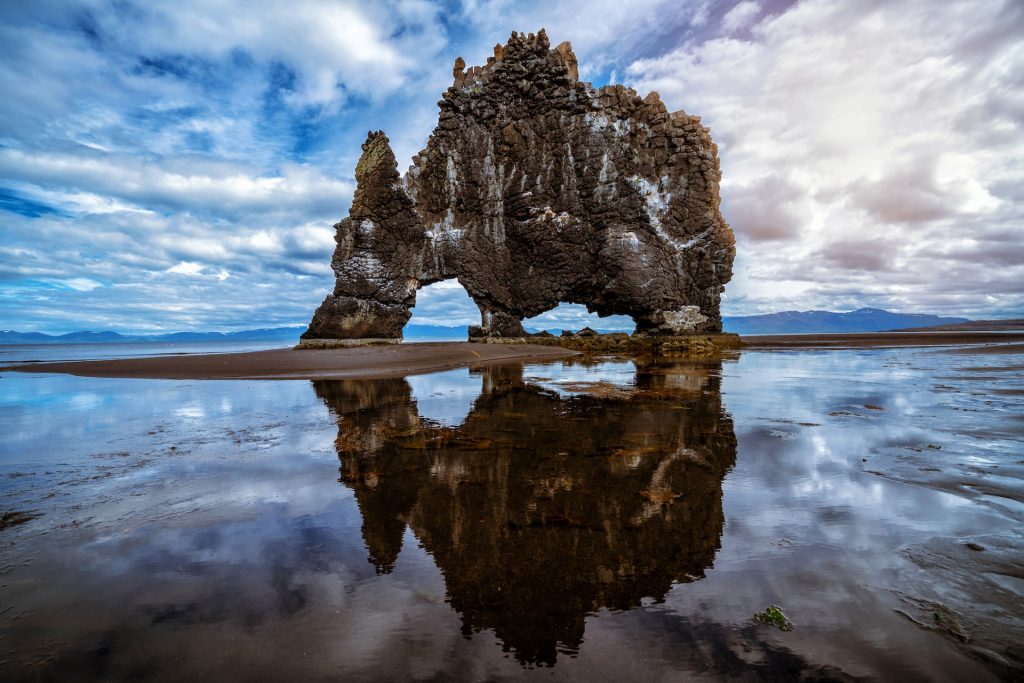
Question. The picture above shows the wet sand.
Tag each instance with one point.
(363, 362)
(878, 340)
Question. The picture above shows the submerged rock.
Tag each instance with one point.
(535, 189)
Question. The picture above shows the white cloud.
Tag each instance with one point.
(222, 190)
(81, 284)
(575, 317)
(186, 268)
(740, 16)
(335, 47)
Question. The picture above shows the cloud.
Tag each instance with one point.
(767, 208)
(575, 317)
(846, 127)
(186, 268)
(81, 284)
(444, 303)
(868, 255)
(96, 178)
(334, 48)
(740, 16)
(193, 269)
(174, 166)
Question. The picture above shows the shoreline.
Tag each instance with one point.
(399, 360)
(880, 340)
(362, 362)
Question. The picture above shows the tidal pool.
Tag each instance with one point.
(612, 520)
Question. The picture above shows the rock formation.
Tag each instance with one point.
(541, 509)
(536, 189)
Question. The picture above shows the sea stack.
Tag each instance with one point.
(534, 189)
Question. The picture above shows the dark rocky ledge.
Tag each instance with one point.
(683, 346)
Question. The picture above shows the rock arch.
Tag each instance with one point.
(533, 189)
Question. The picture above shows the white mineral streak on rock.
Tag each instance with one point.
(453, 179)
(599, 123)
(684, 320)
(494, 217)
(596, 122)
(694, 240)
(365, 264)
(656, 200)
(410, 184)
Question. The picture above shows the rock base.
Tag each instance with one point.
(343, 343)
(689, 346)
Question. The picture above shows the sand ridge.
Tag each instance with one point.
(362, 362)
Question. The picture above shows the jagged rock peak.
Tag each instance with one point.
(519, 49)
(536, 188)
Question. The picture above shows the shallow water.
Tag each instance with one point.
(614, 520)
(17, 354)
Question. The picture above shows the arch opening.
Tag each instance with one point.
(443, 312)
(574, 317)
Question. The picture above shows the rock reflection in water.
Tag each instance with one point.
(546, 504)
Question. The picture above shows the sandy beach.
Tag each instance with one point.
(360, 362)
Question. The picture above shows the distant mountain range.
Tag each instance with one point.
(283, 334)
(824, 322)
(267, 334)
(973, 326)
(787, 322)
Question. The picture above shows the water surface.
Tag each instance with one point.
(608, 520)
(17, 354)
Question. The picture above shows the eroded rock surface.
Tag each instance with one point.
(535, 189)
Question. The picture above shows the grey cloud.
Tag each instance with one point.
(871, 255)
(907, 194)
(766, 209)
(896, 136)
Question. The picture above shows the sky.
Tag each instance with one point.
(179, 166)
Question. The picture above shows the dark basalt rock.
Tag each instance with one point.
(536, 189)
